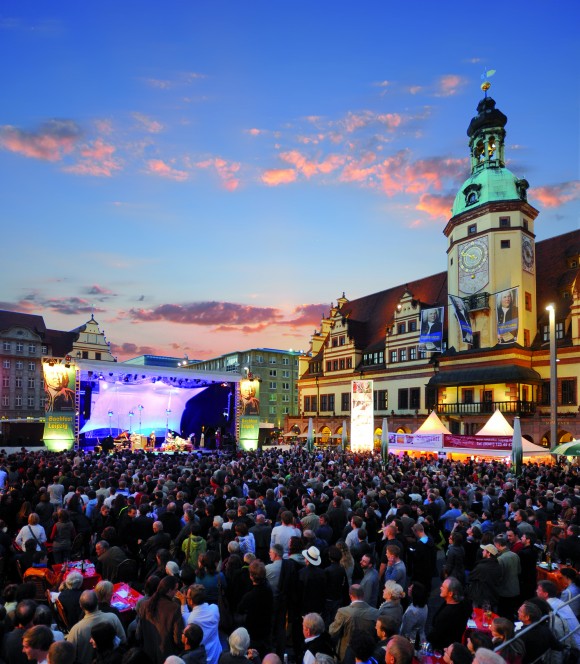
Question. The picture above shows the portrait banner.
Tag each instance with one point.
(431, 337)
(362, 416)
(507, 316)
(462, 315)
(59, 388)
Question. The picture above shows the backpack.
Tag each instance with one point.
(193, 547)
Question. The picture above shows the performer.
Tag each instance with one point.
(152, 439)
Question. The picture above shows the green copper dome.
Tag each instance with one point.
(487, 185)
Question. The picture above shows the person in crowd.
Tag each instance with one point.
(240, 651)
(393, 595)
(502, 631)
(316, 638)
(415, 616)
(194, 650)
(357, 615)
(196, 610)
(450, 620)
(457, 653)
(36, 642)
(161, 623)
(32, 530)
(70, 595)
(11, 650)
(398, 651)
(538, 641)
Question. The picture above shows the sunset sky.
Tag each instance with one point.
(209, 176)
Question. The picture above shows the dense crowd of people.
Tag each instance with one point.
(271, 556)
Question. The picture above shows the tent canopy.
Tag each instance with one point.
(433, 425)
(497, 425)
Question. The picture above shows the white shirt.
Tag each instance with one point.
(207, 616)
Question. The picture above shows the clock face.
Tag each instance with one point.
(473, 265)
(528, 254)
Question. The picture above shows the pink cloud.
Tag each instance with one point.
(152, 126)
(449, 85)
(50, 142)
(207, 314)
(310, 168)
(397, 174)
(436, 206)
(557, 194)
(159, 167)
(276, 176)
(97, 160)
(127, 350)
(307, 315)
(226, 171)
(255, 132)
(95, 289)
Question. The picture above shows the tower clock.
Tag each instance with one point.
(473, 265)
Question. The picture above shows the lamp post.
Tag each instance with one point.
(140, 407)
(167, 413)
(553, 378)
(131, 413)
(110, 414)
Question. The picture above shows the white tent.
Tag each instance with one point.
(497, 425)
(433, 425)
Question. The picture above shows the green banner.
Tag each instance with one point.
(249, 430)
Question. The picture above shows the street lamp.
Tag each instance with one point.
(167, 413)
(553, 378)
(131, 413)
(110, 414)
(140, 407)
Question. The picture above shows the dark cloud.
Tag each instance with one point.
(132, 350)
(50, 142)
(95, 289)
(208, 314)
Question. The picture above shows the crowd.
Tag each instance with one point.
(287, 555)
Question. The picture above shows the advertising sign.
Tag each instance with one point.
(417, 441)
(507, 316)
(362, 416)
(249, 413)
(59, 388)
(462, 314)
(478, 442)
(432, 329)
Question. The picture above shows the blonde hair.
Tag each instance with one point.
(394, 590)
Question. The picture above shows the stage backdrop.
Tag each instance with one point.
(156, 398)
(59, 388)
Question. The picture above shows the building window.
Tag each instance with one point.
(32, 366)
(285, 386)
(6, 346)
(412, 326)
(415, 398)
(273, 397)
(505, 244)
(422, 354)
(285, 361)
(335, 365)
(560, 330)
(19, 347)
(528, 301)
(19, 364)
(5, 381)
(285, 398)
(30, 382)
(342, 363)
(273, 385)
(272, 410)
(32, 349)
(349, 362)
(335, 342)
(285, 373)
(98, 357)
(260, 359)
(6, 364)
(342, 340)
(345, 401)
(545, 397)
(18, 381)
(413, 353)
(273, 373)
(403, 354)
(18, 401)
(568, 392)
(403, 399)
(467, 395)
(472, 230)
(393, 356)
(526, 224)
(328, 365)
(31, 402)
(526, 338)
(504, 222)
(272, 360)
(381, 399)
(401, 328)
(545, 333)
(5, 401)
(44, 349)
(326, 402)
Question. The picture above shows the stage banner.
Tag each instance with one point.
(431, 337)
(249, 431)
(462, 315)
(507, 316)
(59, 388)
(417, 441)
(362, 416)
(478, 442)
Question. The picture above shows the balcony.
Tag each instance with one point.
(487, 408)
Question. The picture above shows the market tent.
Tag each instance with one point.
(497, 425)
(433, 425)
(530, 450)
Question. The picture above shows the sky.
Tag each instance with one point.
(206, 177)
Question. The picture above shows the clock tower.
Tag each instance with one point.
(491, 257)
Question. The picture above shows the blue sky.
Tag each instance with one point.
(210, 176)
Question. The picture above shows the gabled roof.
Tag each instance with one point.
(33, 322)
(369, 315)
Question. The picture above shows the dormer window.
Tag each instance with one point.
(472, 194)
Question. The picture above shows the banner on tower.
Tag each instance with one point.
(507, 316)
(462, 315)
(362, 416)
(432, 329)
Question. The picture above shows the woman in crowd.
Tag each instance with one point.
(32, 530)
(393, 593)
(62, 536)
(161, 624)
(415, 617)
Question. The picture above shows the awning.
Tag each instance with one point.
(486, 376)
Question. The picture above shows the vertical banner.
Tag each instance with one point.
(59, 388)
(362, 416)
(432, 329)
(249, 413)
(462, 314)
(507, 316)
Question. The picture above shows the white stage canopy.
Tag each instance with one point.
(497, 425)
(433, 425)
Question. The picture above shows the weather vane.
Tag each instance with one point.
(486, 85)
